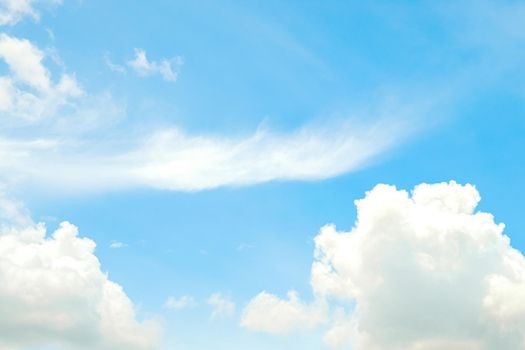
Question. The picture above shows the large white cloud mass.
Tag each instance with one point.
(421, 271)
(52, 292)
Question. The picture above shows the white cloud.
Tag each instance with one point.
(167, 68)
(180, 303)
(245, 246)
(13, 213)
(222, 307)
(117, 245)
(268, 313)
(65, 155)
(54, 293)
(27, 93)
(114, 67)
(12, 11)
(423, 272)
(25, 62)
(173, 160)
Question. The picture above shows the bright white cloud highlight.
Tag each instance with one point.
(222, 306)
(27, 93)
(52, 292)
(168, 69)
(422, 271)
(268, 313)
(173, 160)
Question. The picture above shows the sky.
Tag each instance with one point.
(262, 175)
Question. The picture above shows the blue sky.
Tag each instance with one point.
(427, 92)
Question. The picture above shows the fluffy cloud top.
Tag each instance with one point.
(52, 292)
(421, 271)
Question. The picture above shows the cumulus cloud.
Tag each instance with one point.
(28, 93)
(222, 306)
(268, 313)
(182, 302)
(168, 69)
(52, 292)
(420, 271)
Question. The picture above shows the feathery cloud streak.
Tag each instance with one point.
(173, 160)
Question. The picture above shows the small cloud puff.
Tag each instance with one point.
(168, 69)
(182, 302)
(222, 306)
(117, 245)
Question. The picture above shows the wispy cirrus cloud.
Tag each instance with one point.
(171, 159)
(55, 152)
(114, 67)
(168, 69)
(53, 148)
